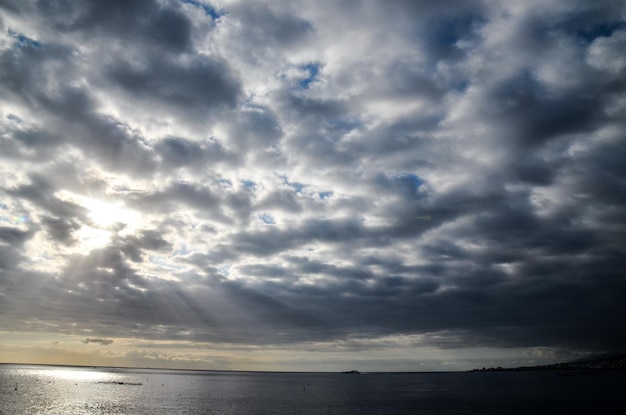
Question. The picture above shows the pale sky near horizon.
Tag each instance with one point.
(312, 185)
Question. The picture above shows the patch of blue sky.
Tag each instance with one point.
(448, 32)
(14, 118)
(267, 219)
(163, 262)
(22, 40)
(224, 270)
(525, 83)
(248, 183)
(459, 85)
(14, 219)
(410, 179)
(208, 9)
(181, 250)
(344, 124)
(313, 70)
(294, 185)
(604, 29)
(249, 105)
(325, 195)
(583, 25)
(225, 182)
(297, 186)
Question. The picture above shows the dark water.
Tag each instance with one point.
(68, 390)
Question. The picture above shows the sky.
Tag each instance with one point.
(312, 186)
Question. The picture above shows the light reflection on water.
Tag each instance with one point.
(75, 374)
(26, 389)
(65, 390)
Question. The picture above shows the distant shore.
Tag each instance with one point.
(616, 362)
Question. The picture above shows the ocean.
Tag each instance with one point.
(33, 389)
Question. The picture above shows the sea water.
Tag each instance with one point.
(31, 389)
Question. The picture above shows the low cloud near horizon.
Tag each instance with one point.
(303, 185)
(102, 342)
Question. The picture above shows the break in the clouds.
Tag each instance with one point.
(302, 185)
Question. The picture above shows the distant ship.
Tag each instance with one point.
(352, 372)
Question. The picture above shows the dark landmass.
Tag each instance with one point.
(615, 362)
(352, 372)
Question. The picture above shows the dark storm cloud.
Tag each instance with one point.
(324, 122)
(9, 257)
(256, 126)
(443, 30)
(407, 79)
(271, 241)
(522, 103)
(212, 310)
(265, 28)
(283, 199)
(13, 236)
(178, 152)
(600, 175)
(42, 193)
(196, 196)
(132, 246)
(417, 169)
(142, 21)
(171, 29)
(29, 143)
(61, 229)
(24, 68)
(200, 84)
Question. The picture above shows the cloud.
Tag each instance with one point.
(201, 84)
(102, 342)
(260, 175)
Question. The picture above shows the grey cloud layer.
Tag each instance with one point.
(419, 167)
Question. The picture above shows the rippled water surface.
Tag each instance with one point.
(27, 389)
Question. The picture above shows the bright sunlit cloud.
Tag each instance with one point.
(91, 238)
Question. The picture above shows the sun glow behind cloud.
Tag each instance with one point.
(104, 220)
(109, 214)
